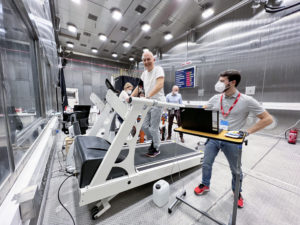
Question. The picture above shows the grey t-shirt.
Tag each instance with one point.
(237, 118)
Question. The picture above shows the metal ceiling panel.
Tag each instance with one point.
(176, 16)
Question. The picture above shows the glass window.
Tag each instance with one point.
(48, 87)
(20, 81)
(4, 162)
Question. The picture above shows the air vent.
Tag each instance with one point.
(65, 33)
(87, 34)
(147, 37)
(83, 45)
(124, 55)
(140, 9)
(105, 50)
(124, 29)
(167, 22)
(133, 47)
(92, 17)
(113, 42)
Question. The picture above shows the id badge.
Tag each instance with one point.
(224, 125)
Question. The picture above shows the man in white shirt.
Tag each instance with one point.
(153, 81)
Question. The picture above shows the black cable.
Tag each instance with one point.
(270, 9)
(274, 7)
(60, 200)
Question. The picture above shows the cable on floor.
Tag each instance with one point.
(60, 200)
(176, 162)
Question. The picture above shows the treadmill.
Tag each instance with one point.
(90, 151)
(106, 169)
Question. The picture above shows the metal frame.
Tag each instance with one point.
(97, 101)
(20, 9)
(102, 127)
(232, 220)
(3, 96)
(104, 190)
(40, 77)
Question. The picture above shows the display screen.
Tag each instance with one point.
(185, 78)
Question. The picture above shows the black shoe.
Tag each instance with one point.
(153, 153)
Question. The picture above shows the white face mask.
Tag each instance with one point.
(129, 92)
(220, 87)
(176, 92)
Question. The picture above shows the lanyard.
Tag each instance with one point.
(231, 107)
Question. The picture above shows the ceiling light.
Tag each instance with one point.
(115, 55)
(76, 1)
(126, 44)
(72, 28)
(168, 36)
(207, 13)
(94, 50)
(145, 49)
(70, 44)
(116, 14)
(145, 26)
(102, 37)
(131, 58)
(2, 30)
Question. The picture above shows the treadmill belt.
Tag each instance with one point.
(167, 151)
(90, 151)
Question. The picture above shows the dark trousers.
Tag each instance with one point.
(171, 115)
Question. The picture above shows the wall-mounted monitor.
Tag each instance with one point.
(185, 78)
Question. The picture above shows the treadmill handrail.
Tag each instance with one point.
(153, 102)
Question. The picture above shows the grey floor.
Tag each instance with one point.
(271, 189)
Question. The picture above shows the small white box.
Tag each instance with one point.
(28, 202)
(250, 90)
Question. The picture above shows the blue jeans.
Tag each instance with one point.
(212, 149)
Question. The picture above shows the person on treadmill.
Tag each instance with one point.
(234, 109)
(152, 80)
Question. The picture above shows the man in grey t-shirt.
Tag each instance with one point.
(234, 109)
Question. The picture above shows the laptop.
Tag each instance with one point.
(199, 119)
